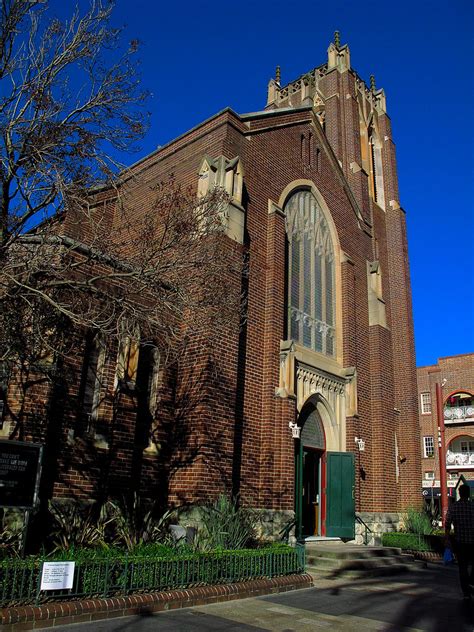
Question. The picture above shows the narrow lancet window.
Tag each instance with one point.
(311, 274)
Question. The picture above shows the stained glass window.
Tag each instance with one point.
(311, 274)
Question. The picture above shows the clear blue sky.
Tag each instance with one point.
(199, 57)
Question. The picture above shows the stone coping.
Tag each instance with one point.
(65, 612)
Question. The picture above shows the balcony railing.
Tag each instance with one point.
(459, 459)
(458, 414)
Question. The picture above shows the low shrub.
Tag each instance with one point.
(134, 522)
(75, 524)
(226, 525)
(414, 541)
(417, 521)
(11, 531)
(128, 523)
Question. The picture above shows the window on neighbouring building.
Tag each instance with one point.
(467, 446)
(429, 476)
(425, 403)
(428, 446)
(311, 274)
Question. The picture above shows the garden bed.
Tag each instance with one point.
(412, 542)
(107, 574)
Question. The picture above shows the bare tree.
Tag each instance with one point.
(72, 254)
(64, 111)
(165, 273)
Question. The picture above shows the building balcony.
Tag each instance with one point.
(458, 414)
(459, 460)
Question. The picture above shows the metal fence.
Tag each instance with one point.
(20, 580)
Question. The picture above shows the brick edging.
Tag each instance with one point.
(427, 556)
(65, 612)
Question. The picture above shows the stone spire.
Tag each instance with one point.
(278, 75)
(338, 56)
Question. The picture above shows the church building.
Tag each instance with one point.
(311, 410)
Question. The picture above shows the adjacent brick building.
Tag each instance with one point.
(456, 375)
(312, 403)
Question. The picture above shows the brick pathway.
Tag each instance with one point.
(427, 600)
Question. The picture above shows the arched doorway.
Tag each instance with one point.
(310, 473)
(324, 479)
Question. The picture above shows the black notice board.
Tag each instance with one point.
(20, 465)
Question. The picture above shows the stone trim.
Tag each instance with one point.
(66, 612)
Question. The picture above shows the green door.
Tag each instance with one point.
(340, 507)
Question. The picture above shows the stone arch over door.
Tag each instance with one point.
(327, 396)
(312, 427)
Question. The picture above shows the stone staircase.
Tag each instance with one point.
(335, 559)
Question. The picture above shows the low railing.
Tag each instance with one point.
(20, 580)
(458, 413)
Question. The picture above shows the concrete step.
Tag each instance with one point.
(334, 559)
(340, 550)
(359, 573)
(353, 562)
(357, 552)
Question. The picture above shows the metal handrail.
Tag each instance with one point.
(285, 531)
(367, 528)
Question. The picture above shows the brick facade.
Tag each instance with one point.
(244, 390)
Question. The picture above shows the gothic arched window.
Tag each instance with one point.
(311, 272)
(376, 168)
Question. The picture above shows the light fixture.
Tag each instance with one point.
(295, 429)
(360, 443)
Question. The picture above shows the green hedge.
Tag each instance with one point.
(414, 542)
(110, 572)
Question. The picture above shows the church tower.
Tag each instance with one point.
(353, 118)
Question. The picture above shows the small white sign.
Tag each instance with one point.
(57, 575)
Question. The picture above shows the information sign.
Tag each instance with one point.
(57, 575)
(20, 463)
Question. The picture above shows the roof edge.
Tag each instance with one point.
(226, 110)
(268, 113)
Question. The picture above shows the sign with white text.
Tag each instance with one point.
(57, 575)
(20, 470)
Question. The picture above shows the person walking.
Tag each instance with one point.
(461, 516)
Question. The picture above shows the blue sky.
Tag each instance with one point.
(199, 57)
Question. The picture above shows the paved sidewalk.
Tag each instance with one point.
(428, 600)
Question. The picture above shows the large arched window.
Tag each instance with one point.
(310, 275)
